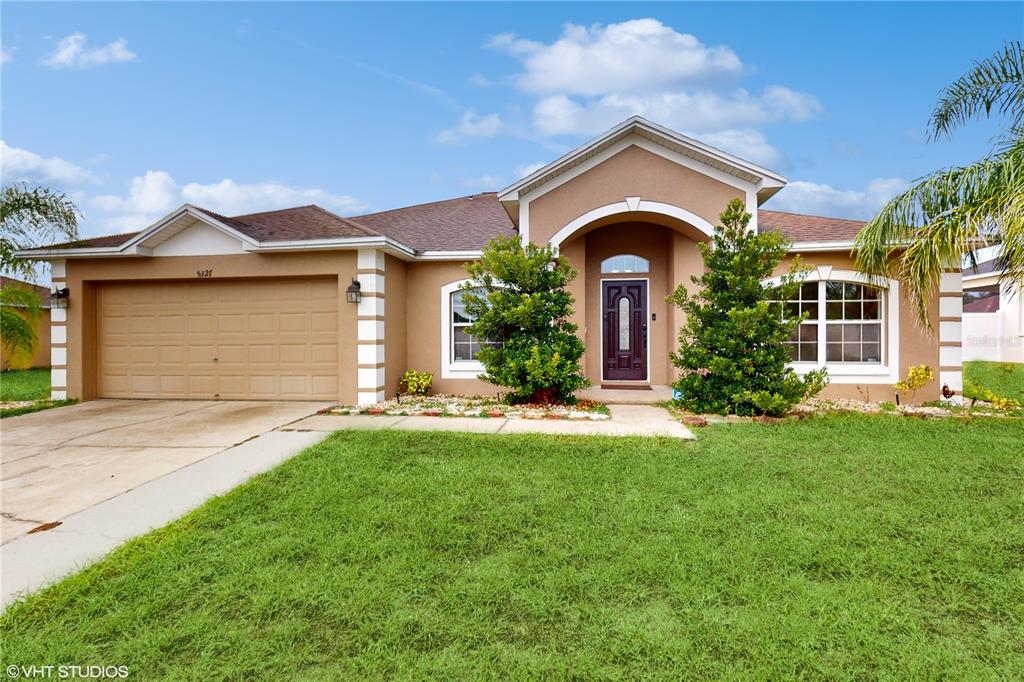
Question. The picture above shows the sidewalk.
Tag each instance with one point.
(626, 420)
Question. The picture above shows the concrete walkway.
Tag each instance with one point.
(626, 420)
(32, 561)
(58, 462)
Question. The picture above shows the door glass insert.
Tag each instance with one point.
(623, 323)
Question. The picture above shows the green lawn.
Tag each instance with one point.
(1005, 379)
(839, 547)
(25, 384)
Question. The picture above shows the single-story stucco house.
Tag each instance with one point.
(201, 305)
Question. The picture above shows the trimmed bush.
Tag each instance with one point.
(530, 348)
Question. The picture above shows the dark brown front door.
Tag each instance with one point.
(625, 330)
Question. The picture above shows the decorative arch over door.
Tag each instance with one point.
(629, 208)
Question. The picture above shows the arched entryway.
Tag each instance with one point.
(628, 264)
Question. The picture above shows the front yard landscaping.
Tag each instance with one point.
(476, 406)
(26, 390)
(834, 547)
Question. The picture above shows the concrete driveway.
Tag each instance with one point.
(61, 461)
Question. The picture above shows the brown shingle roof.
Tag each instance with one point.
(797, 227)
(462, 224)
(302, 222)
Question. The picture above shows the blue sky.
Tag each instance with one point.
(135, 108)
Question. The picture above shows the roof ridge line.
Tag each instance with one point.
(813, 215)
(366, 228)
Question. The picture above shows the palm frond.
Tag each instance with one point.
(19, 310)
(943, 217)
(993, 83)
(31, 216)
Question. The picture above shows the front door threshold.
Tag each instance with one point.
(626, 385)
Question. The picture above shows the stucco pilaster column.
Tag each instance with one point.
(951, 308)
(58, 336)
(370, 327)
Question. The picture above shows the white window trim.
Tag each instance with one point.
(857, 373)
(450, 368)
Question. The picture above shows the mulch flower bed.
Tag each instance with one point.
(475, 406)
(933, 410)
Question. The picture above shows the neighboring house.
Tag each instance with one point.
(201, 305)
(993, 321)
(41, 356)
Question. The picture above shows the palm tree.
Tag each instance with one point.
(28, 217)
(946, 215)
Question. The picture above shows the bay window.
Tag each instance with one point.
(842, 325)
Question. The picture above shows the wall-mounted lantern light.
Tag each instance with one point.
(59, 298)
(352, 294)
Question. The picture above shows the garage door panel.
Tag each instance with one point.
(231, 323)
(174, 385)
(324, 321)
(234, 339)
(292, 323)
(262, 323)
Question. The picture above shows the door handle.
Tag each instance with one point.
(645, 334)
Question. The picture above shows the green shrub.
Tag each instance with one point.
(523, 317)
(917, 377)
(415, 383)
(732, 354)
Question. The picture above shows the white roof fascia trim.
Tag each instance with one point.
(196, 213)
(449, 255)
(994, 276)
(513, 191)
(95, 252)
(808, 247)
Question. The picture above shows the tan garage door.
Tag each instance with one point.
(238, 339)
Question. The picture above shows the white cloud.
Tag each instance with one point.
(156, 193)
(746, 143)
(471, 126)
(698, 111)
(528, 168)
(634, 56)
(6, 54)
(21, 164)
(486, 183)
(815, 198)
(72, 53)
(591, 78)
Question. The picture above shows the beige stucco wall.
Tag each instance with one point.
(84, 275)
(395, 315)
(423, 320)
(631, 172)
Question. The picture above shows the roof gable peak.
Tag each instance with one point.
(766, 182)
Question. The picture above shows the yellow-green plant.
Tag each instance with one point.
(416, 383)
(998, 402)
(917, 377)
